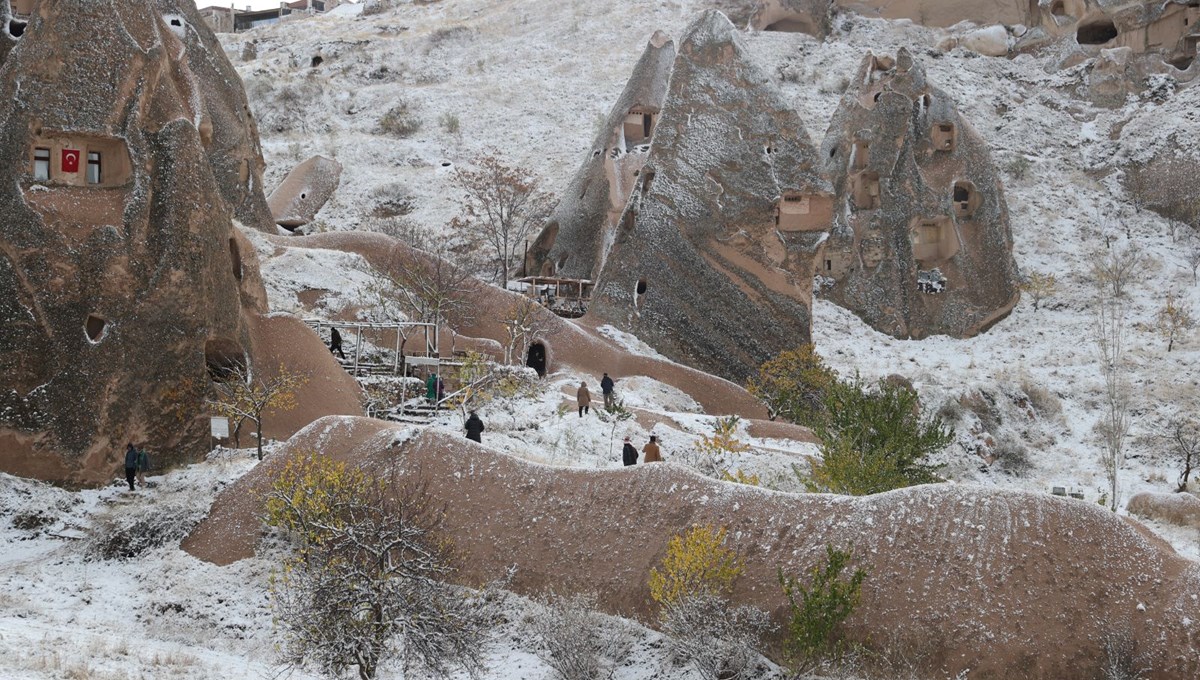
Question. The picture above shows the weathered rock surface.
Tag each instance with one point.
(922, 244)
(123, 283)
(227, 128)
(1008, 584)
(1156, 155)
(702, 267)
(942, 12)
(792, 16)
(582, 228)
(302, 194)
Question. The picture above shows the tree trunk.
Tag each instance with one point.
(258, 436)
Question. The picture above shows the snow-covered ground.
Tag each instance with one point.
(531, 79)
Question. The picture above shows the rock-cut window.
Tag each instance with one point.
(41, 164)
(93, 167)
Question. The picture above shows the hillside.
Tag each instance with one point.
(532, 81)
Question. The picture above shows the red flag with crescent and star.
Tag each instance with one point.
(70, 160)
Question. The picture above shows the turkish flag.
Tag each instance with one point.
(70, 160)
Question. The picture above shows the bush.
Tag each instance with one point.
(578, 642)
(696, 563)
(1012, 456)
(400, 121)
(875, 441)
(1018, 167)
(368, 568)
(392, 200)
(717, 640)
(126, 533)
(449, 123)
(692, 588)
(1045, 402)
(817, 610)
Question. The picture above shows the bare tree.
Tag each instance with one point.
(1193, 258)
(1117, 267)
(578, 642)
(425, 288)
(1039, 286)
(1183, 435)
(502, 206)
(1174, 320)
(402, 228)
(241, 396)
(524, 322)
(1108, 333)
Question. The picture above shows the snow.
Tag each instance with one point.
(537, 99)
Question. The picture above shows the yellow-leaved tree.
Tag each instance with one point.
(692, 587)
(240, 396)
(367, 578)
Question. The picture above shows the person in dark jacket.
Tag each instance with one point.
(131, 461)
(474, 428)
(606, 386)
(143, 464)
(629, 453)
(335, 343)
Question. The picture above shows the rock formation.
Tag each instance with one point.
(583, 226)
(227, 128)
(1156, 154)
(1011, 585)
(124, 286)
(302, 194)
(786, 16)
(713, 259)
(1167, 28)
(922, 244)
(942, 12)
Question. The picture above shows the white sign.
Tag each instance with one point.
(421, 361)
(219, 426)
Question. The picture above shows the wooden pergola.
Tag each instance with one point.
(390, 336)
(565, 297)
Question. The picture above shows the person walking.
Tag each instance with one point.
(143, 464)
(583, 398)
(606, 386)
(651, 452)
(131, 461)
(335, 343)
(474, 428)
(629, 453)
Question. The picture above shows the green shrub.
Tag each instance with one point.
(817, 609)
(875, 441)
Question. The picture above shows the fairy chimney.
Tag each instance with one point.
(921, 244)
(584, 223)
(123, 284)
(228, 131)
(712, 261)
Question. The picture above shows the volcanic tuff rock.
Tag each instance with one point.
(583, 226)
(700, 267)
(1007, 584)
(227, 128)
(298, 199)
(121, 275)
(921, 244)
